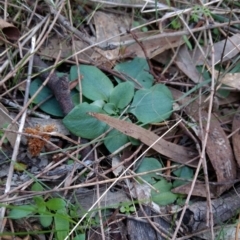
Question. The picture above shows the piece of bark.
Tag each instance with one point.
(224, 208)
(58, 85)
(138, 230)
(218, 146)
(236, 136)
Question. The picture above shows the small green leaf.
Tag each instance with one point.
(164, 196)
(46, 219)
(55, 204)
(149, 164)
(137, 69)
(122, 209)
(114, 140)
(122, 94)
(162, 186)
(183, 172)
(80, 237)
(79, 122)
(152, 105)
(37, 187)
(224, 93)
(39, 201)
(98, 103)
(61, 221)
(19, 212)
(95, 84)
(110, 108)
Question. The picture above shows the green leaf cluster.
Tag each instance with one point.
(163, 195)
(52, 211)
(149, 104)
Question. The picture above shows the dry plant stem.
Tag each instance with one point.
(42, 40)
(210, 216)
(145, 54)
(201, 161)
(98, 195)
(32, 13)
(18, 138)
(33, 32)
(120, 164)
(12, 104)
(121, 175)
(64, 22)
(30, 194)
(75, 57)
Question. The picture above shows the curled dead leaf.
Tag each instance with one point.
(8, 31)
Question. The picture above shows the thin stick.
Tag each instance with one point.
(18, 138)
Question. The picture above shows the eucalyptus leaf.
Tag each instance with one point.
(95, 84)
(122, 94)
(152, 105)
(149, 164)
(79, 122)
(136, 69)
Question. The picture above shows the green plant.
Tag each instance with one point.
(127, 208)
(198, 11)
(164, 195)
(104, 97)
(150, 104)
(53, 211)
(5, 125)
(176, 23)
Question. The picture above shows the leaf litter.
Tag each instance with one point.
(123, 124)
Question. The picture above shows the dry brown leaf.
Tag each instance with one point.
(231, 49)
(218, 146)
(55, 45)
(186, 65)
(176, 152)
(231, 80)
(8, 31)
(153, 46)
(106, 28)
(199, 190)
(236, 136)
